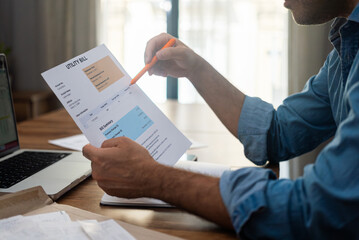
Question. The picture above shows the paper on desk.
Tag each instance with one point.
(138, 202)
(210, 169)
(105, 230)
(58, 225)
(94, 89)
(77, 142)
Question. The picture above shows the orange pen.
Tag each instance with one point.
(170, 43)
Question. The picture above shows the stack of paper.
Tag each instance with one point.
(58, 225)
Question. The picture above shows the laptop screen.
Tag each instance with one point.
(8, 133)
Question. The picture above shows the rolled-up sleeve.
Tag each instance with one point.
(301, 123)
(323, 204)
(258, 204)
(253, 126)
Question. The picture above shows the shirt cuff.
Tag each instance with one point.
(253, 126)
(243, 193)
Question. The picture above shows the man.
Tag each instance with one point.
(324, 204)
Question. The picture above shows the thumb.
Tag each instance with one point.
(89, 151)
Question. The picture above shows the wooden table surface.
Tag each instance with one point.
(196, 121)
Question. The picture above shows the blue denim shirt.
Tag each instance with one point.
(324, 203)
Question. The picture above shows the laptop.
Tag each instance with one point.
(56, 171)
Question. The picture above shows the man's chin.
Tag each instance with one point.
(299, 19)
(309, 20)
(302, 21)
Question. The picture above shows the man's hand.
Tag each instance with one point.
(181, 61)
(122, 168)
(177, 61)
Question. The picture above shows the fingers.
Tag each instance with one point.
(159, 71)
(171, 61)
(113, 142)
(173, 53)
(109, 149)
(96, 154)
(118, 142)
(154, 44)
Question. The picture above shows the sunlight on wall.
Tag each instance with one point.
(125, 27)
(245, 40)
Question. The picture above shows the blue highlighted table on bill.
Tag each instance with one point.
(132, 125)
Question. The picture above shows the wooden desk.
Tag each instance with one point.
(196, 121)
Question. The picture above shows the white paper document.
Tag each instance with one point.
(58, 225)
(94, 89)
(106, 230)
(133, 202)
(75, 142)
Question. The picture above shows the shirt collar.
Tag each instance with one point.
(335, 27)
(339, 22)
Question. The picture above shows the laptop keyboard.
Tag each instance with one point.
(25, 164)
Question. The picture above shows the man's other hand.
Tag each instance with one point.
(122, 168)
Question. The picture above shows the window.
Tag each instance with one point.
(125, 27)
(245, 40)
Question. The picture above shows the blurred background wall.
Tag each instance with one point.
(44, 33)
